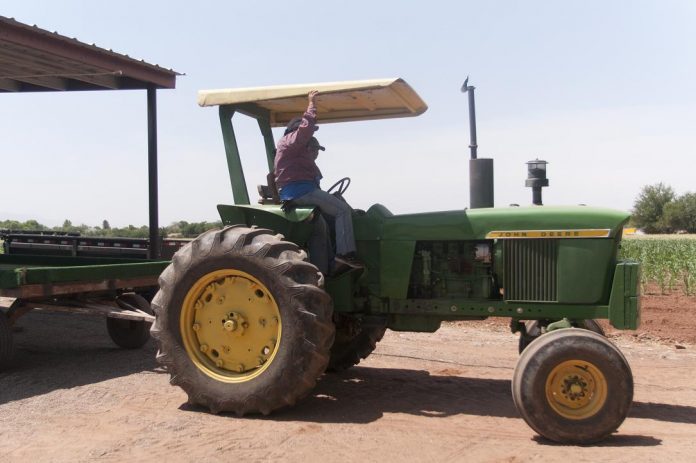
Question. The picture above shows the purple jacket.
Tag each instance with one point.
(293, 161)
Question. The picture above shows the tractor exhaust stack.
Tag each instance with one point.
(480, 170)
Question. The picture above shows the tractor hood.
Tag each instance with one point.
(500, 223)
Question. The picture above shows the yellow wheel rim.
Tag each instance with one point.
(230, 325)
(576, 389)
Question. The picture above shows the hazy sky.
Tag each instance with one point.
(604, 91)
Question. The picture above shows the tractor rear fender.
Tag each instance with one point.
(295, 225)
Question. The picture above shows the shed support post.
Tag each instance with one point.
(152, 170)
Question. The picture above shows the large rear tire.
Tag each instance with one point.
(7, 347)
(241, 321)
(355, 340)
(130, 334)
(573, 386)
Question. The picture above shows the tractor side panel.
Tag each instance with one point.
(396, 258)
(585, 270)
(565, 271)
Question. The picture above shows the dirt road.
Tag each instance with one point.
(74, 397)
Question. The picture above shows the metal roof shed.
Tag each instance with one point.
(36, 60)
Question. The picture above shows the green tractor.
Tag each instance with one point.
(246, 324)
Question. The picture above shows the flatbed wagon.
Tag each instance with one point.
(117, 288)
(66, 272)
(111, 277)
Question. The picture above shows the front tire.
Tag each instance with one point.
(241, 321)
(573, 386)
(532, 330)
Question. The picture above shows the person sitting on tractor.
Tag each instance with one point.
(297, 178)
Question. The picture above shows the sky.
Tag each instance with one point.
(603, 91)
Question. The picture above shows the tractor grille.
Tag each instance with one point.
(530, 269)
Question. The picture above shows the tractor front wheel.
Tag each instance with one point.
(573, 386)
(533, 329)
(241, 321)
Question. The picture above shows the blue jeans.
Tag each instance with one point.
(339, 210)
(321, 251)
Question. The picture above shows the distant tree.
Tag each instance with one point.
(105, 225)
(649, 208)
(33, 225)
(67, 225)
(680, 214)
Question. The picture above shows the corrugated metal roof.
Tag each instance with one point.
(33, 59)
(356, 100)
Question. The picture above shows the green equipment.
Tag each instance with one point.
(246, 324)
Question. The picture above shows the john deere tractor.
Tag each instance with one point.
(246, 324)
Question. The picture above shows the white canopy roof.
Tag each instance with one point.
(337, 101)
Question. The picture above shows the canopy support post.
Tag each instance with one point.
(152, 170)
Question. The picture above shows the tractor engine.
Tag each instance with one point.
(453, 269)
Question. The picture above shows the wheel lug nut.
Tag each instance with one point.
(204, 348)
(221, 299)
(196, 327)
(230, 325)
(240, 368)
(219, 362)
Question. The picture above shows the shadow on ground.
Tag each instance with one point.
(60, 351)
(363, 395)
(616, 440)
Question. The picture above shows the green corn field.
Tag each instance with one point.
(666, 260)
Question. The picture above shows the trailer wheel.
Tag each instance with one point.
(573, 386)
(130, 334)
(532, 330)
(354, 341)
(241, 322)
(6, 344)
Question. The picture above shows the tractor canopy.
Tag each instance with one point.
(275, 106)
(358, 100)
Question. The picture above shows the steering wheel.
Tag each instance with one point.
(341, 186)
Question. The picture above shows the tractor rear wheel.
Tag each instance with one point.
(573, 386)
(241, 321)
(355, 340)
(6, 344)
(532, 330)
(130, 334)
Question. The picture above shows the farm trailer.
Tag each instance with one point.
(111, 277)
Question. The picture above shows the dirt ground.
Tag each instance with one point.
(74, 397)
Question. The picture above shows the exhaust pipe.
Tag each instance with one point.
(480, 170)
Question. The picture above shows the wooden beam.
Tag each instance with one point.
(22, 61)
(63, 47)
(9, 85)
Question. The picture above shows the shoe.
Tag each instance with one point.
(345, 263)
(348, 257)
